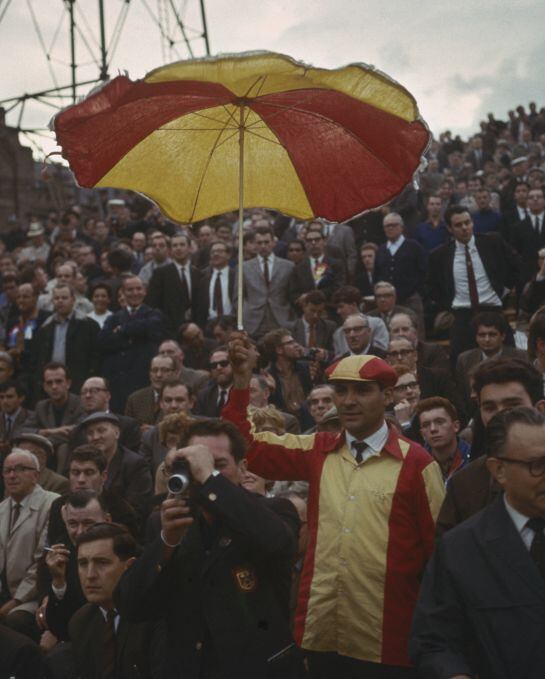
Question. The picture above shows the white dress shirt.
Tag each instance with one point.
(539, 218)
(224, 282)
(270, 261)
(375, 443)
(520, 521)
(394, 246)
(487, 296)
(186, 268)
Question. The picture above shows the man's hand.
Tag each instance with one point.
(175, 520)
(58, 431)
(243, 357)
(48, 641)
(40, 615)
(56, 562)
(199, 458)
(402, 412)
(8, 607)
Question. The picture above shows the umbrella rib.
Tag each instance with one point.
(333, 122)
(201, 181)
(259, 77)
(195, 129)
(263, 78)
(230, 114)
(260, 136)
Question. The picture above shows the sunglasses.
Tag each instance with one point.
(218, 364)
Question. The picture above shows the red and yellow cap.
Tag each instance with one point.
(363, 369)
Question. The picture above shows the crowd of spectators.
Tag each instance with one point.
(119, 346)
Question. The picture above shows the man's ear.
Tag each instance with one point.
(243, 465)
(540, 405)
(496, 467)
(457, 425)
(129, 562)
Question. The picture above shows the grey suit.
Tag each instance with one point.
(21, 547)
(343, 237)
(262, 303)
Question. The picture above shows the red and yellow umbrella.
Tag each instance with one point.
(207, 136)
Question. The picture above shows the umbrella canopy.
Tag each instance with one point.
(314, 142)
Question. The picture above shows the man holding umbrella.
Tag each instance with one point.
(373, 500)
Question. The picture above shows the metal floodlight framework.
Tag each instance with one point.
(91, 47)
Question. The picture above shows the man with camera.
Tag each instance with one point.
(220, 571)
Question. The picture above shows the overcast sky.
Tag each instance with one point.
(460, 59)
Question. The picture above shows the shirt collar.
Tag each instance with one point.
(462, 246)
(375, 441)
(397, 243)
(516, 517)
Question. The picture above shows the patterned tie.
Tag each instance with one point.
(266, 271)
(218, 296)
(537, 548)
(472, 283)
(359, 447)
(109, 646)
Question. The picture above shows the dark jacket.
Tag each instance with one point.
(406, 270)
(165, 294)
(128, 344)
(324, 333)
(501, 264)
(130, 436)
(82, 357)
(302, 278)
(202, 294)
(130, 477)
(224, 592)
(481, 605)
(139, 647)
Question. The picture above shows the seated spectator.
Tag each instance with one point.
(127, 472)
(490, 331)
(37, 249)
(13, 415)
(42, 448)
(386, 301)
(320, 401)
(196, 347)
(23, 525)
(95, 397)
(195, 379)
(55, 417)
(222, 328)
(143, 405)
(96, 626)
(405, 398)
(430, 355)
(260, 395)
(357, 330)
(174, 397)
(346, 302)
(533, 295)
(7, 367)
(439, 425)
(101, 297)
(212, 398)
(312, 330)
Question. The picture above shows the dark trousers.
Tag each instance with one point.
(335, 666)
(24, 623)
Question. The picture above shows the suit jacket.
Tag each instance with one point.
(82, 357)
(141, 406)
(164, 293)
(468, 491)
(139, 647)
(302, 278)
(152, 450)
(16, 427)
(481, 614)
(324, 333)
(500, 261)
(406, 270)
(471, 358)
(203, 293)
(227, 583)
(129, 477)
(527, 243)
(128, 343)
(21, 548)
(257, 296)
(44, 418)
(194, 379)
(207, 401)
(431, 355)
(342, 237)
(56, 483)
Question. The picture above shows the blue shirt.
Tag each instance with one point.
(486, 221)
(431, 237)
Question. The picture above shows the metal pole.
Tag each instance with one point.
(205, 29)
(72, 47)
(103, 51)
(240, 323)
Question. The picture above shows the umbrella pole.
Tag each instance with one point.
(240, 217)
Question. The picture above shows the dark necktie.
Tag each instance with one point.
(472, 283)
(8, 427)
(218, 296)
(312, 335)
(360, 447)
(185, 289)
(222, 399)
(109, 646)
(537, 548)
(16, 512)
(266, 271)
(536, 225)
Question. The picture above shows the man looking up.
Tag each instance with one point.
(347, 473)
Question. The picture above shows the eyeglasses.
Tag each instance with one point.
(401, 353)
(218, 364)
(356, 330)
(18, 469)
(535, 467)
(313, 240)
(406, 387)
(92, 390)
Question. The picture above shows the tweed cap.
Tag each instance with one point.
(35, 438)
(100, 417)
(364, 368)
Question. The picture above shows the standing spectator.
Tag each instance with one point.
(530, 235)
(138, 244)
(402, 262)
(23, 525)
(101, 297)
(316, 271)
(433, 232)
(370, 639)
(485, 219)
(266, 288)
(312, 330)
(215, 296)
(477, 156)
(512, 219)
(173, 288)
(38, 249)
(160, 256)
(342, 236)
(128, 341)
(469, 275)
(69, 338)
(296, 251)
(364, 276)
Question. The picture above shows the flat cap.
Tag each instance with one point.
(330, 415)
(100, 416)
(364, 368)
(35, 438)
